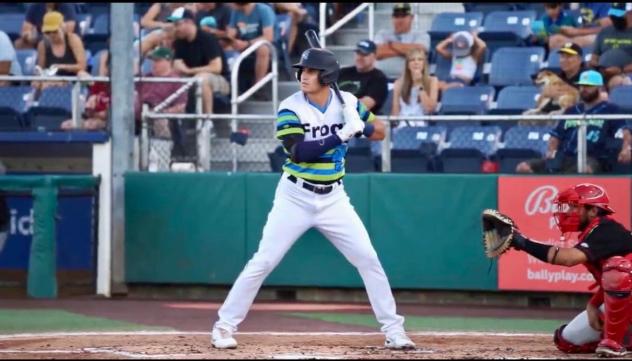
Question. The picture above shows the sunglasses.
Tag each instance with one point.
(50, 32)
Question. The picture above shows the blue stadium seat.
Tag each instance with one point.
(415, 137)
(482, 138)
(410, 161)
(522, 143)
(45, 118)
(507, 28)
(11, 23)
(96, 38)
(13, 97)
(359, 160)
(16, 7)
(283, 23)
(515, 66)
(98, 8)
(10, 119)
(622, 97)
(84, 23)
(443, 66)
(444, 24)
(461, 160)
(467, 100)
(487, 8)
(56, 97)
(515, 99)
(27, 59)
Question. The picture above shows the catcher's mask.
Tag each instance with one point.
(568, 203)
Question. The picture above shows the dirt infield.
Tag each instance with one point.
(280, 346)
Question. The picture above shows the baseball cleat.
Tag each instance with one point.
(399, 341)
(222, 338)
(610, 348)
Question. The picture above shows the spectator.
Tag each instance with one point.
(554, 21)
(561, 154)
(220, 13)
(251, 22)
(59, 50)
(415, 92)
(198, 53)
(594, 17)
(9, 64)
(298, 13)
(163, 37)
(155, 93)
(400, 40)
(364, 80)
(466, 54)
(612, 53)
(156, 16)
(32, 31)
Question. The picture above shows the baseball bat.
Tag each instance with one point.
(314, 42)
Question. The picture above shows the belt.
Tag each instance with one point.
(325, 189)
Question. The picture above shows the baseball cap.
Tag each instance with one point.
(161, 53)
(52, 21)
(402, 9)
(365, 47)
(590, 77)
(209, 21)
(617, 10)
(572, 49)
(181, 13)
(462, 43)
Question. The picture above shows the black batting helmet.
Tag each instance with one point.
(321, 59)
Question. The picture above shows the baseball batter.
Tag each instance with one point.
(605, 249)
(314, 128)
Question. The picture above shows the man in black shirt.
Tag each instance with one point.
(198, 53)
(605, 249)
(364, 80)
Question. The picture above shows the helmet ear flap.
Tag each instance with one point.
(298, 74)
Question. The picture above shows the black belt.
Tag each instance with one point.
(312, 188)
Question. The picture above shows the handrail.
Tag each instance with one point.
(235, 99)
(324, 31)
(91, 79)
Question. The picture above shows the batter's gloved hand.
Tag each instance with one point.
(499, 233)
(353, 123)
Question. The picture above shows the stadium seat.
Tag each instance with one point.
(45, 118)
(56, 97)
(410, 161)
(622, 97)
(469, 100)
(485, 139)
(444, 24)
(515, 99)
(98, 8)
(443, 66)
(11, 23)
(461, 160)
(487, 8)
(515, 66)
(522, 143)
(359, 160)
(10, 119)
(283, 23)
(15, 8)
(97, 36)
(13, 97)
(413, 138)
(507, 28)
(84, 23)
(27, 59)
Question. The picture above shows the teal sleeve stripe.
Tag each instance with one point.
(284, 112)
(288, 124)
(363, 111)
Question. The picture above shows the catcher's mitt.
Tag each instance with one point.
(498, 232)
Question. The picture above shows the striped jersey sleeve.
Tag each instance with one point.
(288, 123)
(365, 114)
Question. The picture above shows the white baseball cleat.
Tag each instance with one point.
(222, 338)
(399, 341)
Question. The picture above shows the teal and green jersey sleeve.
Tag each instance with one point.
(365, 114)
(288, 123)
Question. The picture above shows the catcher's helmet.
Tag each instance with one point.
(321, 59)
(584, 194)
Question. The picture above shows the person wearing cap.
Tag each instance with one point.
(219, 13)
(156, 15)
(31, 32)
(556, 21)
(199, 54)
(466, 51)
(612, 53)
(561, 155)
(401, 39)
(363, 79)
(594, 17)
(249, 23)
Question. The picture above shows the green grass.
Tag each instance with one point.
(47, 320)
(419, 323)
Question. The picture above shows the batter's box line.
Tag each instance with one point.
(263, 333)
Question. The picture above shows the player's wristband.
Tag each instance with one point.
(369, 129)
(537, 250)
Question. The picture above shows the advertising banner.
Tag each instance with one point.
(529, 202)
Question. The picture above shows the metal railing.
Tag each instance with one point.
(237, 99)
(324, 31)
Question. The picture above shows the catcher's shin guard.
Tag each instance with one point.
(565, 346)
(616, 281)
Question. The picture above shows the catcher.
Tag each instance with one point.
(604, 247)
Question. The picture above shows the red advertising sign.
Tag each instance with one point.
(529, 202)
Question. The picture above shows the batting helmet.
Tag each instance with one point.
(584, 194)
(320, 59)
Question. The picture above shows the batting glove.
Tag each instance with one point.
(353, 123)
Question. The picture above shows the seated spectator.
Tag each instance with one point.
(9, 64)
(155, 93)
(554, 21)
(559, 89)
(416, 92)
(96, 107)
(364, 80)
(163, 37)
(561, 155)
(401, 39)
(466, 52)
(298, 14)
(214, 18)
(594, 17)
(60, 52)
(251, 22)
(198, 53)
(156, 16)
(612, 53)
(32, 31)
